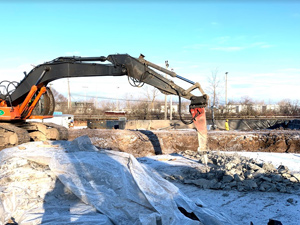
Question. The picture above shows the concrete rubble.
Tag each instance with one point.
(234, 172)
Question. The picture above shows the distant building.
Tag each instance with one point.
(238, 108)
(115, 113)
(275, 108)
(175, 108)
(77, 107)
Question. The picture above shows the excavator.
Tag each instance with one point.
(32, 99)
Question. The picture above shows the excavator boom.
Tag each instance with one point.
(120, 65)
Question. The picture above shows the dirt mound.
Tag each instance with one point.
(264, 141)
(140, 142)
(150, 142)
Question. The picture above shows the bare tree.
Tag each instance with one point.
(58, 97)
(246, 100)
(214, 83)
(248, 103)
(214, 87)
(151, 94)
(128, 102)
(289, 107)
(106, 105)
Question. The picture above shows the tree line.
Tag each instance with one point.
(145, 107)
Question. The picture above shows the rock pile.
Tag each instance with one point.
(235, 172)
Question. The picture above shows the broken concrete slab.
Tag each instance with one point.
(250, 175)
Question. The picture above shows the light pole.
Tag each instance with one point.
(69, 96)
(166, 110)
(85, 87)
(226, 89)
(171, 107)
(118, 98)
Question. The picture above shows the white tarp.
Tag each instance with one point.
(72, 182)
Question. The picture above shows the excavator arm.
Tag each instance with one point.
(122, 64)
(20, 102)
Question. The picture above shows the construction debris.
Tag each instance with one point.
(235, 172)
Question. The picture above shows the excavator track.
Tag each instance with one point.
(45, 131)
(11, 135)
(62, 132)
(16, 134)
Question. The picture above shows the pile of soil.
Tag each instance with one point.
(263, 141)
(151, 142)
(140, 142)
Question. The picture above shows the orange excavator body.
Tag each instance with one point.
(23, 111)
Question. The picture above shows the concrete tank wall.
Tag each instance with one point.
(257, 124)
(234, 124)
(156, 124)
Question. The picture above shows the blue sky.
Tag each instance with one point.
(256, 42)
